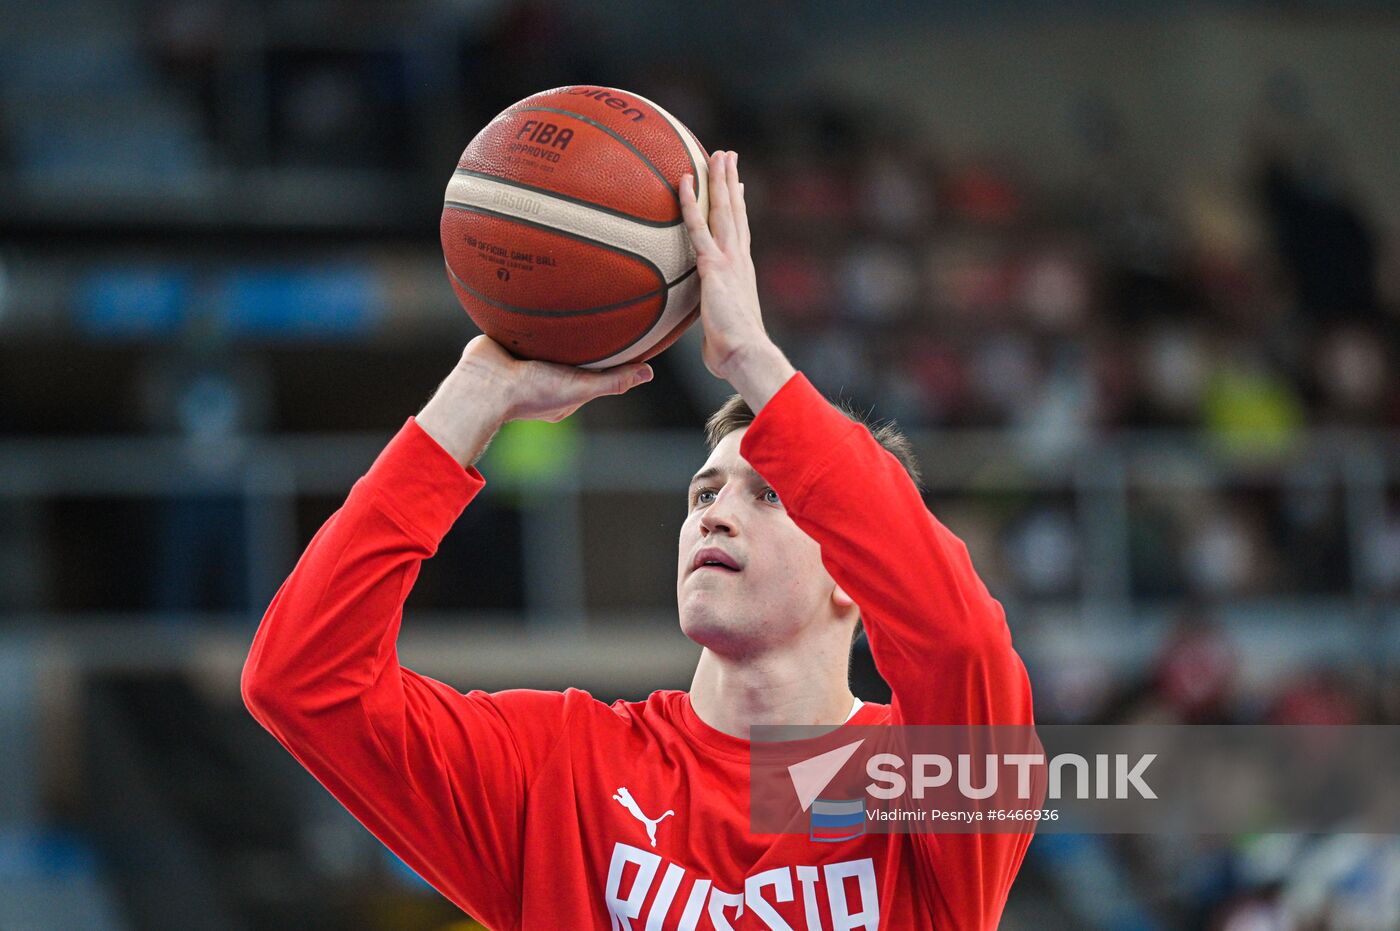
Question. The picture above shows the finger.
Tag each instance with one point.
(622, 378)
(736, 199)
(640, 376)
(585, 385)
(744, 234)
(721, 211)
(695, 223)
(559, 387)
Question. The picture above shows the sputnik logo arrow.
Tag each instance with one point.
(810, 776)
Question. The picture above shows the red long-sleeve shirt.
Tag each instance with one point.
(505, 801)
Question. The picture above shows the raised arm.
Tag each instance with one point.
(936, 634)
(438, 776)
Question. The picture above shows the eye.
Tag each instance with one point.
(771, 496)
(699, 496)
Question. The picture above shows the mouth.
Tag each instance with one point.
(715, 560)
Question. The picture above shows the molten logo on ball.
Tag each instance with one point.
(610, 99)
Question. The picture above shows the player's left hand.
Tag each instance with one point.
(729, 311)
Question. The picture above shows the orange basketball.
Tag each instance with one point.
(562, 227)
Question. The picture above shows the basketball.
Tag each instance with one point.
(562, 231)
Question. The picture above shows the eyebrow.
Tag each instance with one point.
(704, 474)
(750, 474)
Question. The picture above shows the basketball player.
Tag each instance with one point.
(543, 810)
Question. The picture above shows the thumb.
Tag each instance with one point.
(630, 377)
(616, 380)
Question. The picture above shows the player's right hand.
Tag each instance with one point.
(531, 390)
(488, 386)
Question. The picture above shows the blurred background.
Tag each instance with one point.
(1127, 272)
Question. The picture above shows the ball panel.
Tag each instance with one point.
(633, 118)
(570, 341)
(666, 247)
(671, 337)
(563, 154)
(699, 158)
(682, 304)
(539, 270)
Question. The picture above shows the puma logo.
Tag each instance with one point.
(624, 798)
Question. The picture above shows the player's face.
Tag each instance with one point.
(771, 584)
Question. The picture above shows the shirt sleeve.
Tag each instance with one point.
(440, 777)
(937, 636)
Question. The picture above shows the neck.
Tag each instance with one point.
(789, 686)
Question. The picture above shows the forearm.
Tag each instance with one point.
(937, 634)
(328, 636)
(331, 628)
(757, 371)
(465, 412)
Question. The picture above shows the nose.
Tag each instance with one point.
(719, 516)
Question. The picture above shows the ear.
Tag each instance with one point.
(840, 598)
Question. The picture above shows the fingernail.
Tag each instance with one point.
(644, 375)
